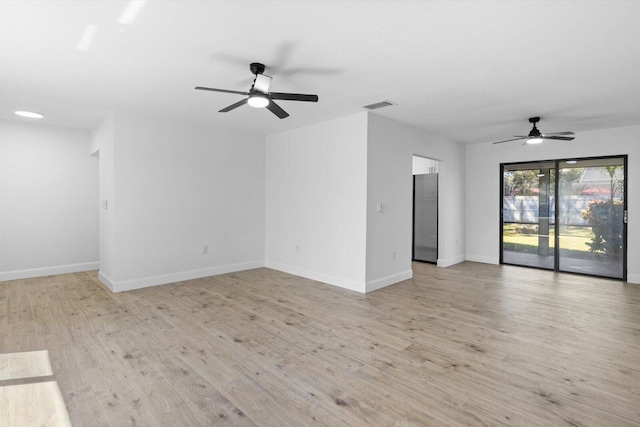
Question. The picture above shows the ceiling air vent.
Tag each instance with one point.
(377, 105)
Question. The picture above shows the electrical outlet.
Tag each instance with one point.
(394, 254)
(205, 249)
(297, 248)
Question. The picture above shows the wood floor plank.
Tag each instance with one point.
(472, 344)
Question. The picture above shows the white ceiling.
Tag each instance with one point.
(473, 71)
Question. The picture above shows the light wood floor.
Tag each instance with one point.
(471, 344)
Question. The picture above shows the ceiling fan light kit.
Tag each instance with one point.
(259, 95)
(258, 101)
(536, 137)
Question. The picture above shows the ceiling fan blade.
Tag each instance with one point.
(234, 106)
(293, 97)
(275, 109)
(557, 133)
(561, 138)
(221, 90)
(507, 140)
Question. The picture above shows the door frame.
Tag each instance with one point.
(413, 222)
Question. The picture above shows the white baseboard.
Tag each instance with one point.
(633, 278)
(483, 259)
(163, 279)
(448, 262)
(48, 271)
(351, 285)
(389, 280)
(106, 280)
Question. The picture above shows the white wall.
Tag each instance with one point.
(483, 185)
(391, 146)
(304, 203)
(316, 188)
(179, 187)
(103, 145)
(48, 201)
(323, 184)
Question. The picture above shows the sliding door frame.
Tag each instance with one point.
(556, 236)
(501, 207)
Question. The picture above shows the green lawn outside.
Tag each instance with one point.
(573, 238)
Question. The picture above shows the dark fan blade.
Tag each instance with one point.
(557, 133)
(234, 106)
(221, 90)
(507, 140)
(561, 138)
(293, 97)
(275, 109)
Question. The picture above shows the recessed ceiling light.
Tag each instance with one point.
(572, 162)
(29, 114)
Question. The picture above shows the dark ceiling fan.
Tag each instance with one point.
(536, 137)
(259, 95)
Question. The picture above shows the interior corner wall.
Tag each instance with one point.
(103, 145)
(316, 180)
(391, 146)
(48, 201)
(483, 186)
(189, 201)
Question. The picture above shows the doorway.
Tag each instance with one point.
(565, 215)
(425, 210)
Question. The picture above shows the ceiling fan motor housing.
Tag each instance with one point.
(256, 68)
(534, 132)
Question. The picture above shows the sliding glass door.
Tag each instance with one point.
(527, 214)
(575, 223)
(591, 217)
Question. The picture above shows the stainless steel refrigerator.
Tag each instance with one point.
(425, 217)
